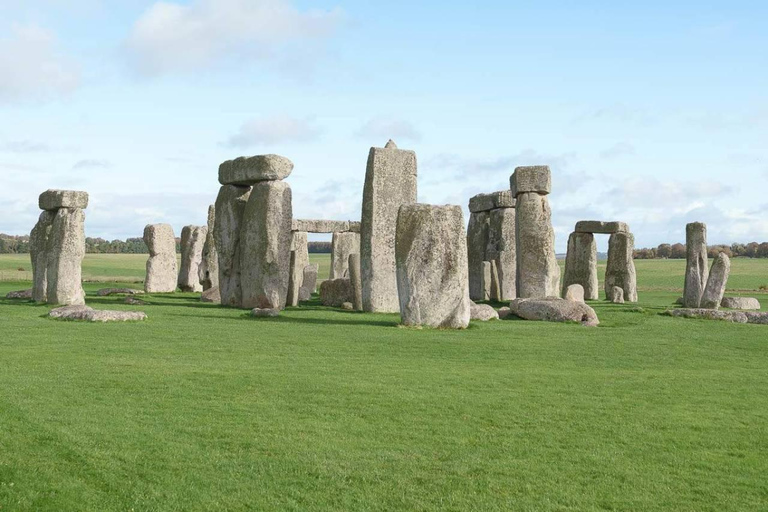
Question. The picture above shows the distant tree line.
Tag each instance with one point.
(320, 247)
(20, 245)
(677, 251)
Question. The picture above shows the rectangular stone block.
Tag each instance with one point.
(320, 225)
(501, 248)
(488, 202)
(299, 261)
(342, 246)
(66, 250)
(536, 178)
(246, 171)
(601, 228)
(230, 206)
(354, 226)
(477, 244)
(55, 199)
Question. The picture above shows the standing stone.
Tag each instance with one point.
(718, 280)
(390, 182)
(192, 242)
(581, 264)
(495, 292)
(299, 261)
(501, 250)
(477, 244)
(617, 295)
(487, 280)
(432, 273)
(538, 274)
(355, 276)
(342, 246)
(309, 283)
(620, 269)
(230, 205)
(697, 266)
(38, 251)
(574, 292)
(209, 267)
(162, 274)
(265, 257)
(66, 250)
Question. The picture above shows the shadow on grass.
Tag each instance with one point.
(351, 319)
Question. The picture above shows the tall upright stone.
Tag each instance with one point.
(66, 250)
(717, 282)
(477, 245)
(390, 182)
(538, 274)
(299, 261)
(432, 272)
(355, 277)
(581, 264)
(266, 238)
(230, 205)
(38, 251)
(342, 246)
(697, 265)
(192, 242)
(620, 269)
(208, 274)
(501, 250)
(162, 272)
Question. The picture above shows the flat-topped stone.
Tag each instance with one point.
(55, 199)
(747, 303)
(246, 171)
(537, 178)
(600, 227)
(354, 226)
(321, 226)
(488, 202)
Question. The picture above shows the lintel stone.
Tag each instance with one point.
(488, 202)
(55, 199)
(320, 225)
(599, 227)
(537, 178)
(245, 171)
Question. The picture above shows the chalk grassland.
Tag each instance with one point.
(204, 408)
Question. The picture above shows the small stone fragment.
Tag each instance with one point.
(20, 295)
(482, 312)
(504, 313)
(265, 312)
(211, 295)
(743, 303)
(617, 295)
(553, 309)
(348, 306)
(575, 293)
(106, 292)
(87, 314)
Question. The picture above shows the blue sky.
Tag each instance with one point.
(650, 113)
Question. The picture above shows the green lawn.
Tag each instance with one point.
(204, 408)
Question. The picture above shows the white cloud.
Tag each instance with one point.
(653, 194)
(174, 37)
(33, 68)
(91, 164)
(273, 130)
(383, 129)
(618, 150)
(24, 146)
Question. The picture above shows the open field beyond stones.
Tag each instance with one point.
(204, 408)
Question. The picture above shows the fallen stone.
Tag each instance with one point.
(230, 205)
(717, 282)
(616, 296)
(66, 250)
(575, 293)
(321, 226)
(482, 312)
(87, 314)
(504, 313)
(537, 178)
(697, 266)
(744, 303)
(106, 292)
(20, 295)
(211, 295)
(757, 318)
(192, 243)
(488, 202)
(600, 227)
(581, 265)
(55, 199)
(309, 283)
(162, 273)
(553, 309)
(342, 246)
(244, 171)
(335, 292)
(620, 267)
(265, 312)
(709, 314)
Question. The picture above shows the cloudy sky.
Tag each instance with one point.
(655, 113)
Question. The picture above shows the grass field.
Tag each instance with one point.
(204, 408)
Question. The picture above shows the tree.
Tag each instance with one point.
(678, 252)
(664, 251)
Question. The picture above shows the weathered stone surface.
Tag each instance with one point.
(482, 312)
(299, 261)
(211, 295)
(697, 266)
(230, 206)
(390, 182)
(432, 274)
(20, 295)
(495, 291)
(192, 242)
(745, 303)
(265, 312)
(320, 226)
(537, 178)
(581, 264)
(487, 281)
(208, 274)
(575, 293)
(354, 226)
(348, 306)
(244, 171)
(538, 274)
(66, 250)
(716, 283)
(356, 278)
(757, 318)
(616, 296)
(620, 268)
(488, 202)
(342, 245)
(38, 251)
(553, 309)
(477, 244)
(266, 237)
(55, 199)
(309, 283)
(106, 292)
(162, 274)
(501, 249)
(600, 227)
(335, 292)
(504, 313)
(709, 314)
(87, 314)
(133, 301)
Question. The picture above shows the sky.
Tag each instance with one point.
(654, 113)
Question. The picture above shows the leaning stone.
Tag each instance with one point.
(697, 266)
(20, 295)
(538, 273)
(482, 312)
(620, 268)
(265, 312)
(55, 199)
(575, 293)
(246, 171)
(208, 274)
(616, 296)
(504, 313)
(348, 306)
(581, 264)
(335, 292)
(599, 227)
(477, 244)
(230, 205)
(66, 250)
(390, 182)
(106, 292)
(355, 277)
(162, 275)
(744, 303)
(299, 261)
(431, 255)
(537, 178)
(553, 309)
(716, 283)
(87, 314)
(709, 314)
(211, 295)
(501, 250)
(38, 251)
(488, 202)
(266, 237)
(342, 246)
(309, 282)
(321, 226)
(192, 242)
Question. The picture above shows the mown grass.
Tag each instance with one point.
(204, 408)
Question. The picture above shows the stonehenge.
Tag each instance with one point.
(343, 246)
(716, 282)
(390, 182)
(308, 282)
(192, 243)
(431, 263)
(335, 292)
(356, 279)
(697, 267)
(620, 270)
(230, 206)
(57, 248)
(581, 264)
(554, 309)
(208, 274)
(162, 274)
(745, 303)
(298, 263)
(538, 274)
